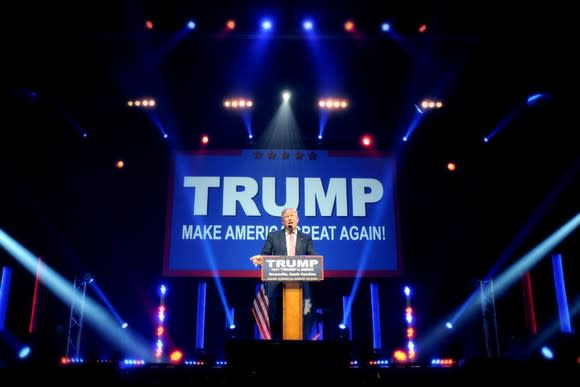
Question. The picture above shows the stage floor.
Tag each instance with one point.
(291, 362)
(478, 372)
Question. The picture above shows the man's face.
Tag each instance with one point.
(290, 220)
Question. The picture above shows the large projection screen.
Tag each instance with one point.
(222, 204)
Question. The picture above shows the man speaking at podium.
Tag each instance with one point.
(287, 241)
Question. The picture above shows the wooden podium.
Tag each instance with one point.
(292, 311)
(292, 271)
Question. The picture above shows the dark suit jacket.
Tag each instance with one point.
(275, 244)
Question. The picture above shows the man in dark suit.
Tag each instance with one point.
(282, 242)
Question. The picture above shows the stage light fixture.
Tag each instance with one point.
(87, 278)
(430, 104)
(266, 24)
(366, 141)
(12, 348)
(343, 333)
(231, 332)
(547, 352)
(146, 103)
(333, 104)
(536, 98)
(204, 140)
(286, 95)
(238, 103)
(231, 25)
(24, 352)
(349, 26)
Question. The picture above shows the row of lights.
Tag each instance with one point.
(409, 355)
(160, 330)
(240, 103)
(333, 104)
(308, 25)
(366, 141)
(142, 103)
(429, 104)
(326, 103)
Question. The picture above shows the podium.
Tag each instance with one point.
(292, 311)
(292, 271)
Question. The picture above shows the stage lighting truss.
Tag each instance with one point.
(238, 103)
(142, 103)
(333, 104)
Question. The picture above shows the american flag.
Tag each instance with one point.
(260, 312)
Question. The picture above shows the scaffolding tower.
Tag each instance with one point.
(75, 324)
(490, 332)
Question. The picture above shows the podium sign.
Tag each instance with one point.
(292, 268)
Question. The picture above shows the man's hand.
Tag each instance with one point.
(257, 260)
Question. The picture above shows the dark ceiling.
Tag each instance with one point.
(82, 62)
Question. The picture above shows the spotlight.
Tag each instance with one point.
(286, 95)
(343, 333)
(24, 352)
(430, 104)
(547, 352)
(563, 349)
(266, 25)
(533, 99)
(231, 332)
(349, 26)
(205, 139)
(176, 357)
(88, 278)
(230, 25)
(12, 348)
(367, 141)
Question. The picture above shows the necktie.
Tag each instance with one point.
(292, 244)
